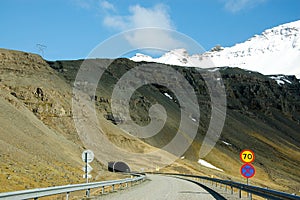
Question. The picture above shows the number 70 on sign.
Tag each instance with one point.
(247, 156)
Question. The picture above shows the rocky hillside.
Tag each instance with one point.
(41, 147)
(39, 143)
(34, 152)
(262, 114)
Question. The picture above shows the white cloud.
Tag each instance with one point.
(107, 6)
(238, 5)
(94, 5)
(140, 17)
(153, 38)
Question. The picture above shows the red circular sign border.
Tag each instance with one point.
(242, 154)
(250, 166)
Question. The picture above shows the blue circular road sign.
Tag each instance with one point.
(247, 170)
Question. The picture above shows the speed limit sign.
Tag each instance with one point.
(247, 156)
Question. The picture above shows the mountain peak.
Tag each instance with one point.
(274, 51)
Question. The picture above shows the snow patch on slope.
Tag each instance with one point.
(207, 164)
(281, 79)
(167, 95)
(226, 143)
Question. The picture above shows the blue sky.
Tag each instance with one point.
(70, 29)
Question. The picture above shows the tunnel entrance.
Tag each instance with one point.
(118, 166)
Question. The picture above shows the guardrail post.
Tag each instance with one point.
(102, 191)
(126, 184)
(225, 188)
(240, 193)
(266, 188)
(231, 190)
(88, 192)
(113, 188)
(250, 196)
(67, 195)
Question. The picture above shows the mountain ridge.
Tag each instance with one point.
(274, 51)
(262, 115)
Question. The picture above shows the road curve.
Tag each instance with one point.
(162, 187)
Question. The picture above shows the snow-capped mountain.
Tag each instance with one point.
(275, 51)
(177, 57)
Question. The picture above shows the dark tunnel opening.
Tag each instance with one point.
(118, 166)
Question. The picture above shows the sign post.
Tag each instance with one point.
(87, 157)
(247, 170)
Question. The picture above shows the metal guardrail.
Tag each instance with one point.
(67, 189)
(259, 191)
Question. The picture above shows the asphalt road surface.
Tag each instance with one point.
(162, 187)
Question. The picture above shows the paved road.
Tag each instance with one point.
(161, 188)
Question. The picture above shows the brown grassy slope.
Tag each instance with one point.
(32, 153)
(39, 143)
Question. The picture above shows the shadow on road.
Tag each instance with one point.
(210, 191)
(192, 192)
